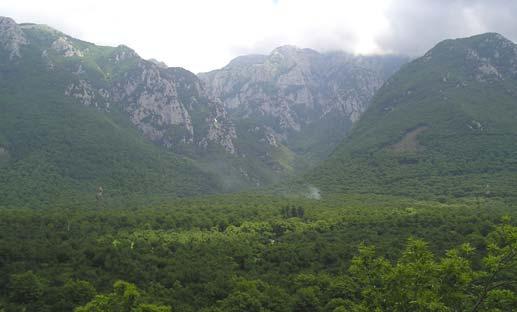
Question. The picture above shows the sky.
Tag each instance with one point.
(201, 35)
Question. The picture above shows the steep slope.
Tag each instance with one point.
(168, 105)
(444, 125)
(298, 98)
(76, 116)
(293, 108)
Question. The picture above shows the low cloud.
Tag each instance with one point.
(416, 26)
(201, 35)
(313, 192)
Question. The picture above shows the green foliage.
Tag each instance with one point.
(53, 149)
(417, 282)
(77, 293)
(241, 252)
(142, 249)
(25, 288)
(439, 128)
(125, 298)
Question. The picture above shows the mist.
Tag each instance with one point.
(202, 35)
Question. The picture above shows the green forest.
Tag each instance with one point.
(126, 187)
(260, 253)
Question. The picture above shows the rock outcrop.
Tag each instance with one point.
(11, 37)
(261, 118)
(294, 87)
(64, 46)
(168, 105)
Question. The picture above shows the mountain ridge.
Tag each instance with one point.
(294, 93)
(441, 126)
(68, 125)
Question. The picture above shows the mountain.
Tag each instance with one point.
(444, 125)
(168, 105)
(298, 98)
(76, 116)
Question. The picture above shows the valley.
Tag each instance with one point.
(296, 180)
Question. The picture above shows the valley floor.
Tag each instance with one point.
(260, 253)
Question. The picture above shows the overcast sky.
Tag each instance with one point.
(201, 35)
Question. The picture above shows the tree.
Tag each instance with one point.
(25, 288)
(78, 292)
(417, 282)
(500, 270)
(125, 298)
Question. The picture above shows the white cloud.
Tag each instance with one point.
(205, 34)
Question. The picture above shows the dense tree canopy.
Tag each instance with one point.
(259, 253)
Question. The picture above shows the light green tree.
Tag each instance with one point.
(124, 298)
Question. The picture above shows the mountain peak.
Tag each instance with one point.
(432, 125)
(483, 57)
(490, 40)
(291, 50)
(246, 60)
(158, 63)
(493, 36)
(41, 27)
(11, 37)
(6, 20)
(123, 53)
(286, 48)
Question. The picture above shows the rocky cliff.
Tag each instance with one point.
(11, 37)
(168, 105)
(257, 120)
(291, 89)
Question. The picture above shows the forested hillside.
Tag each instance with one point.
(63, 134)
(76, 116)
(443, 126)
(256, 253)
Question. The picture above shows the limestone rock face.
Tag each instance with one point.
(11, 37)
(220, 129)
(151, 100)
(159, 63)
(168, 105)
(294, 88)
(83, 91)
(65, 47)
